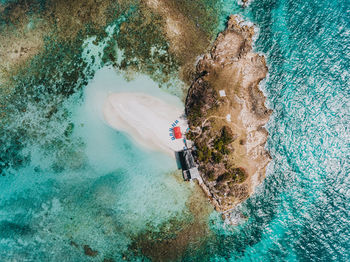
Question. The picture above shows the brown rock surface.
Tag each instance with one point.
(229, 131)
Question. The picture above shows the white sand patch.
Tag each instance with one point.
(146, 119)
(153, 4)
(173, 27)
(228, 117)
(222, 93)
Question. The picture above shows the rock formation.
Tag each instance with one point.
(226, 113)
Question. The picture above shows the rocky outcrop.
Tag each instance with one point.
(226, 113)
(244, 3)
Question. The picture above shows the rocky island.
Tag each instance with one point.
(226, 113)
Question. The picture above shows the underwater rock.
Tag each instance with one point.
(74, 244)
(89, 251)
(110, 259)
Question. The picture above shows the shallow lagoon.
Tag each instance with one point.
(104, 198)
(116, 189)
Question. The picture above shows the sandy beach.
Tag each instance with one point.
(147, 119)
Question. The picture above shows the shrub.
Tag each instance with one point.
(238, 175)
(226, 135)
(204, 154)
(221, 142)
(224, 177)
(217, 157)
(225, 150)
(211, 175)
(218, 144)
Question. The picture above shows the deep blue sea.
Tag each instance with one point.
(109, 190)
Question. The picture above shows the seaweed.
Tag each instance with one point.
(145, 48)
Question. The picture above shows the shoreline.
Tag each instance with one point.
(147, 119)
(227, 114)
(232, 65)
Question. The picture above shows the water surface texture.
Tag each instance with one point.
(301, 212)
(73, 189)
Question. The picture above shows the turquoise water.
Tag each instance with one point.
(109, 191)
(100, 189)
(301, 212)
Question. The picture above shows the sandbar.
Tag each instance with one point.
(146, 119)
